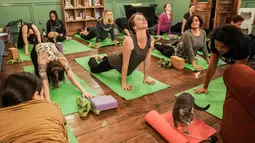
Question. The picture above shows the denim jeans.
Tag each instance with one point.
(1, 53)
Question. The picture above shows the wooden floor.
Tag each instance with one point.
(126, 124)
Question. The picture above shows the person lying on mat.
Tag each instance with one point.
(229, 44)
(192, 10)
(28, 33)
(25, 115)
(103, 27)
(50, 66)
(56, 28)
(164, 24)
(136, 48)
(121, 25)
(236, 20)
(192, 40)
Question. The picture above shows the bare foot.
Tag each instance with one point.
(99, 58)
(68, 38)
(85, 32)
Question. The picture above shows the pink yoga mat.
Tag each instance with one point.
(164, 125)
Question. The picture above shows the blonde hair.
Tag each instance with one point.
(107, 20)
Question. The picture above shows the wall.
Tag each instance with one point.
(117, 6)
(179, 8)
(34, 11)
(248, 3)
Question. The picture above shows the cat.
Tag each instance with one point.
(183, 110)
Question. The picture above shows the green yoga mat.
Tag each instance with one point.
(120, 36)
(215, 97)
(69, 46)
(66, 94)
(71, 135)
(200, 61)
(72, 46)
(22, 53)
(112, 79)
(104, 43)
(166, 37)
(220, 62)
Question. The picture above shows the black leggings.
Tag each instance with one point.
(165, 50)
(34, 58)
(91, 34)
(103, 66)
(60, 38)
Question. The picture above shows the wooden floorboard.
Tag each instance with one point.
(126, 124)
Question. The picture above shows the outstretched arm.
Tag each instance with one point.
(183, 25)
(65, 64)
(37, 33)
(209, 73)
(127, 47)
(42, 67)
(147, 63)
(78, 85)
(24, 37)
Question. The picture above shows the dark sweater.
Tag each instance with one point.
(102, 31)
(56, 26)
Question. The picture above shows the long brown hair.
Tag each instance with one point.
(131, 23)
(55, 73)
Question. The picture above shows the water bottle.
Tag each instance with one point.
(44, 34)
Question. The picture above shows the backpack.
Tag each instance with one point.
(13, 28)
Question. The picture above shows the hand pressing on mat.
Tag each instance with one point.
(127, 87)
(198, 68)
(201, 90)
(150, 82)
(87, 95)
(208, 60)
(98, 43)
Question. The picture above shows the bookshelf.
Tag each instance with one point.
(80, 13)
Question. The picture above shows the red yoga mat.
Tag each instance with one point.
(164, 125)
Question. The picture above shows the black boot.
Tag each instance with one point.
(92, 62)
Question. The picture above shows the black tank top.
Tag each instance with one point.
(137, 56)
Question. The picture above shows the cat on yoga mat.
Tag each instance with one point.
(229, 44)
(136, 48)
(50, 65)
(192, 40)
(104, 27)
(183, 110)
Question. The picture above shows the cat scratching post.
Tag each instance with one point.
(103, 103)
(14, 53)
(177, 62)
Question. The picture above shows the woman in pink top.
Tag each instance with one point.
(165, 20)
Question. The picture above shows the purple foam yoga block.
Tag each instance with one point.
(60, 47)
(103, 103)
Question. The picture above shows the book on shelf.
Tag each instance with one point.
(90, 3)
(68, 4)
(98, 13)
(97, 3)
